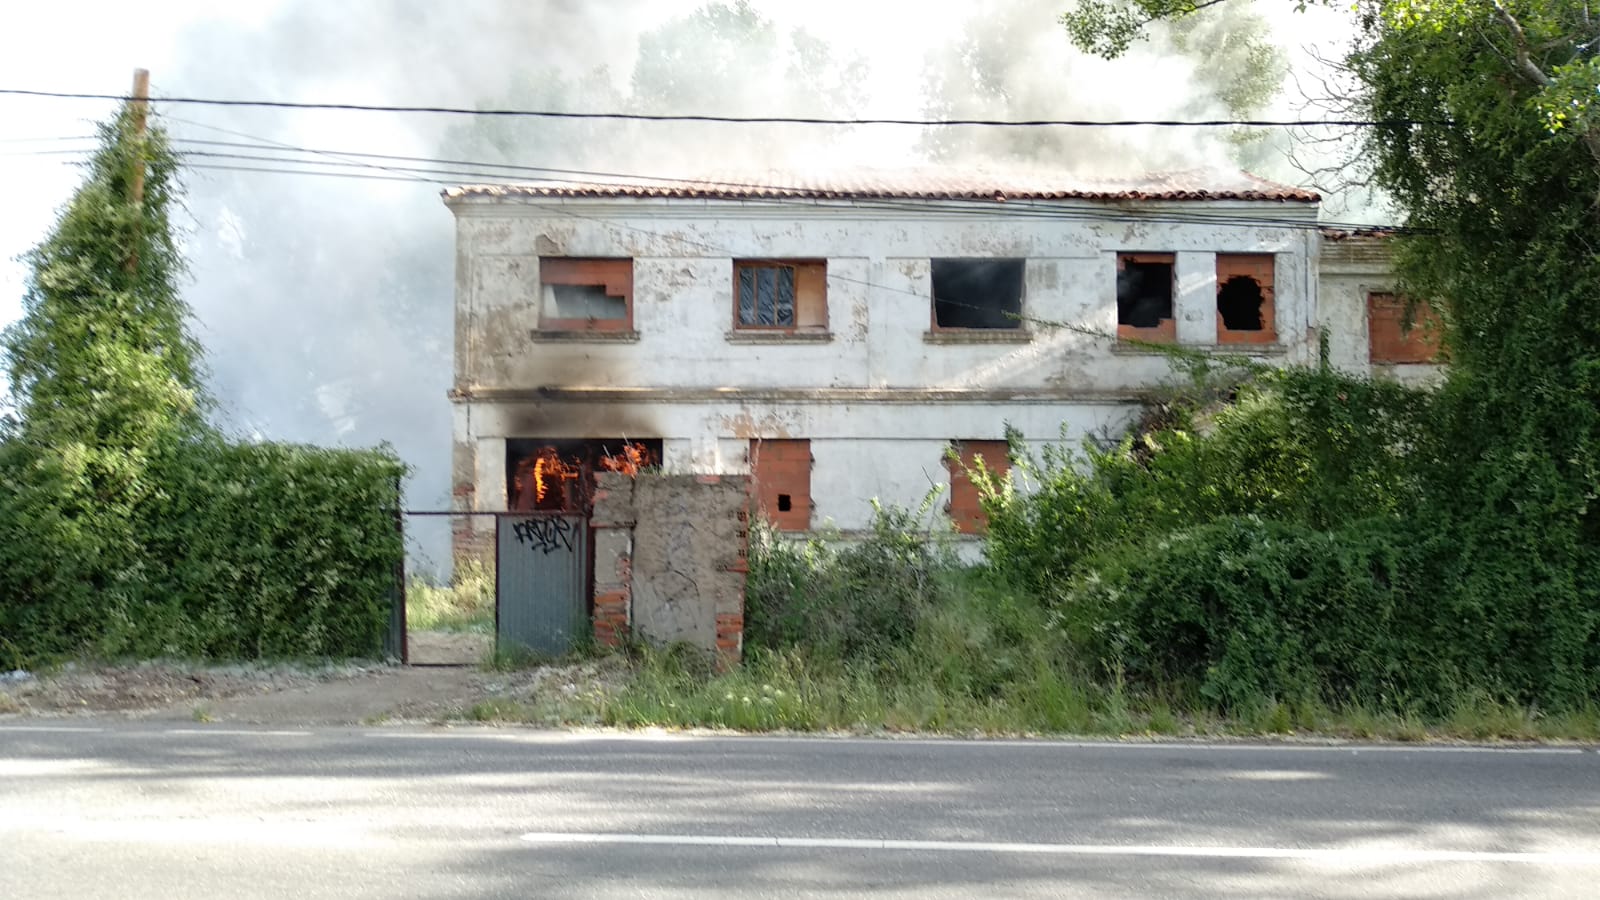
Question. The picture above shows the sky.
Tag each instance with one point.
(325, 304)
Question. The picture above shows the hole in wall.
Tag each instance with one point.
(1239, 304)
(784, 503)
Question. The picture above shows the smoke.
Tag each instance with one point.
(325, 303)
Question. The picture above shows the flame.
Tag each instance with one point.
(633, 458)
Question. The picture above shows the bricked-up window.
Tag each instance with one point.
(1144, 297)
(977, 293)
(1245, 310)
(780, 295)
(1388, 340)
(965, 509)
(781, 482)
(586, 294)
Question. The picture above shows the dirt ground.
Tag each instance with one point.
(449, 648)
(288, 694)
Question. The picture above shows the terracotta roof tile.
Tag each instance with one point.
(911, 184)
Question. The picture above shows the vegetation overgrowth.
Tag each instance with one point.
(1279, 550)
(128, 525)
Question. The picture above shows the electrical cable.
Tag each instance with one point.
(745, 120)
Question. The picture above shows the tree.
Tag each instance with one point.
(105, 377)
(1490, 148)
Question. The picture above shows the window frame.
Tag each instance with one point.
(577, 271)
(1020, 326)
(962, 453)
(799, 324)
(1166, 332)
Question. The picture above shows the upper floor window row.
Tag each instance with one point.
(790, 296)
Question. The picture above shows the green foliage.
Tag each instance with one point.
(465, 604)
(1311, 447)
(127, 526)
(850, 600)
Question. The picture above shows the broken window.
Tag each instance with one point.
(966, 507)
(558, 474)
(780, 482)
(1144, 296)
(783, 296)
(977, 293)
(586, 294)
(1393, 338)
(1245, 313)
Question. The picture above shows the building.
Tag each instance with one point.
(844, 338)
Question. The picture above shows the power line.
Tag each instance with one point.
(430, 173)
(751, 120)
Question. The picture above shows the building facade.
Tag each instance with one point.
(845, 339)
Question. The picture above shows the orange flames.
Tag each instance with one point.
(632, 458)
(540, 479)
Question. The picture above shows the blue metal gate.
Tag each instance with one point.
(541, 582)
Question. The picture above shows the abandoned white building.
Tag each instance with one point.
(835, 338)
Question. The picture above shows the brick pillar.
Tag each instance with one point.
(613, 521)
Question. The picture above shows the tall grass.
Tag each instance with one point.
(465, 604)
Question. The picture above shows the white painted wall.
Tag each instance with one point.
(883, 397)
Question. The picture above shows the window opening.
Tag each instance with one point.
(586, 294)
(977, 293)
(545, 474)
(1239, 304)
(1144, 296)
(785, 504)
(585, 301)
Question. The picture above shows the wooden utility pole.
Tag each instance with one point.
(140, 107)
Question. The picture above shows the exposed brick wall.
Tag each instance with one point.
(612, 521)
(781, 482)
(965, 508)
(1261, 267)
(1387, 340)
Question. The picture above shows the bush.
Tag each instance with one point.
(849, 600)
(1301, 446)
(231, 551)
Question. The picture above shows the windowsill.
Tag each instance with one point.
(583, 336)
(776, 336)
(1123, 348)
(978, 336)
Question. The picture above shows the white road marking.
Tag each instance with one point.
(237, 732)
(1345, 855)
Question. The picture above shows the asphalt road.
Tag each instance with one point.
(128, 811)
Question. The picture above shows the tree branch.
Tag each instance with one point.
(1520, 39)
(1185, 12)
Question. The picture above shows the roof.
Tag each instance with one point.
(907, 184)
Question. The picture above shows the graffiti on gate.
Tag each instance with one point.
(547, 535)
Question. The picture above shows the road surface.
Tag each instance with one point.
(120, 810)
